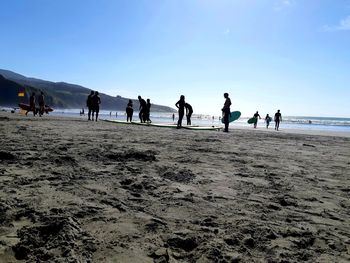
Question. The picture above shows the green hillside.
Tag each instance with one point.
(59, 94)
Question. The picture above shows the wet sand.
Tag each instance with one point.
(78, 191)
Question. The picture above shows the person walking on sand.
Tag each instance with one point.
(278, 119)
(32, 104)
(89, 105)
(181, 106)
(142, 109)
(129, 111)
(189, 112)
(96, 101)
(256, 116)
(148, 111)
(41, 101)
(226, 112)
(267, 120)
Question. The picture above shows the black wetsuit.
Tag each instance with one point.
(226, 111)
(181, 105)
(129, 112)
(143, 107)
(95, 100)
(189, 112)
(278, 117)
(89, 105)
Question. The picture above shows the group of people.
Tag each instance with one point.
(93, 104)
(182, 105)
(226, 115)
(268, 119)
(144, 110)
(32, 104)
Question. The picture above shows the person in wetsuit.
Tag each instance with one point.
(41, 101)
(148, 111)
(32, 104)
(278, 119)
(142, 109)
(189, 112)
(89, 105)
(96, 101)
(226, 112)
(129, 111)
(256, 116)
(267, 120)
(181, 106)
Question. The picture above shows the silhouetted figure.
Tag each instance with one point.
(41, 102)
(189, 112)
(148, 111)
(142, 109)
(278, 119)
(96, 101)
(173, 117)
(89, 104)
(226, 112)
(267, 120)
(256, 116)
(181, 106)
(32, 104)
(129, 111)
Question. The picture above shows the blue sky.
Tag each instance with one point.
(291, 55)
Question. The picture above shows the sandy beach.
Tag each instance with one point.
(79, 191)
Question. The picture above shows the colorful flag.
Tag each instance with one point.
(20, 92)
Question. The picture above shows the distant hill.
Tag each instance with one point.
(59, 94)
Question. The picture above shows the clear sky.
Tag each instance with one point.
(292, 55)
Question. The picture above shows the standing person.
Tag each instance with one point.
(129, 111)
(142, 109)
(148, 111)
(189, 112)
(32, 104)
(256, 116)
(226, 112)
(278, 119)
(41, 102)
(173, 117)
(267, 120)
(89, 105)
(181, 106)
(96, 101)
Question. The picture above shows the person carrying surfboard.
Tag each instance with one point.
(278, 119)
(226, 111)
(181, 106)
(189, 112)
(256, 116)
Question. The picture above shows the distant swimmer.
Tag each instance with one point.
(41, 102)
(96, 101)
(256, 116)
(148, 111)
(267, 120)
(89, 104)
(181, 106)
(189, 112)
(278, 119)
(129, 111)
(226, 112)
(32, 104)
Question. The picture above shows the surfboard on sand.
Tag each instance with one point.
(166, 125)
(252, 120)
(233, 116)
(26, 107)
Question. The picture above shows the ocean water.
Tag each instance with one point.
(289, 122)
